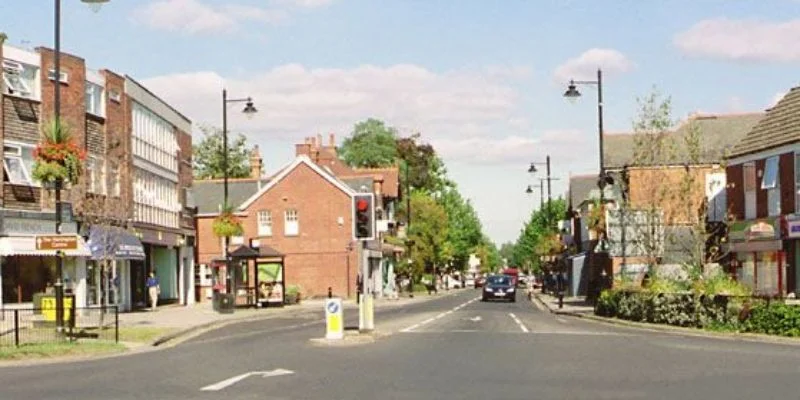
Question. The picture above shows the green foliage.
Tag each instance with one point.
(57, 156)
(372, 144)
(428, 231)
(507, 251)
(423, 167)
(293, 290)
(539, 229)
(227, 224)
(774, 319)
(464, 231)
(208, 157)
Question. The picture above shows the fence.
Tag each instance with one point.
(21, 326)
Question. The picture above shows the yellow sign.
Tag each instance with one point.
(49, 308)
(333, 317)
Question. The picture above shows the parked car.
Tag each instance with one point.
(499, 287)
(469, 282)
(479, 281)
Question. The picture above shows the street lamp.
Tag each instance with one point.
(532, 169)
(59, 283)
(249, 111)
(573, 94)
(529, 190)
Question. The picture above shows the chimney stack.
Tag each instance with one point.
(256, 163)
(332, 140)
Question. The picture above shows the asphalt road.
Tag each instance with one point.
(455, 347)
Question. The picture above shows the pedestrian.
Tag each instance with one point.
(153, 289)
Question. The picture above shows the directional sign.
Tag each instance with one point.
(334, 320)
(230, 381)
(56, 242)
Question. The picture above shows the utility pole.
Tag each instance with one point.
(59, 284)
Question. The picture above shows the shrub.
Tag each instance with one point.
(774, 319)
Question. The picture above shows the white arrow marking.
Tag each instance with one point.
(230, 381)
(475, 319)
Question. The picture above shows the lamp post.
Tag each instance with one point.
(572, 94)
(249, 111)
(532, 169)
(529, 190)
(59, 283)
(409, 242)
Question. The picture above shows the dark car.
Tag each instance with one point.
(479, 281)
(499, 287)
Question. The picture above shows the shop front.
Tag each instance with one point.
(167, 254)
(759, 256)
(25, 270)
(791, 246)
(117, 256)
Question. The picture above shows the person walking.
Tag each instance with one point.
(153, 289)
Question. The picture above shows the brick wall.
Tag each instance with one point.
(662, 187)
(734, 176)
(117, 134)
(20, 197)
(73, 105)
(315, 259)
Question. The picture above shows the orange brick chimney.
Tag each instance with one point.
(256, 163)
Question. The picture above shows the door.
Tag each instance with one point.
(138, 295)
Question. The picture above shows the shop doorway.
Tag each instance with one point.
(138, 277)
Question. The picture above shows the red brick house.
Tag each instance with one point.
(762, 190)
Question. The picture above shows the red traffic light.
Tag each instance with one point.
(362, 205)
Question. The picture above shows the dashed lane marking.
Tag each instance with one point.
(521, 325)
(441, 315)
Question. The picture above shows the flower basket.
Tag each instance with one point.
(227, 225)
(57, 157)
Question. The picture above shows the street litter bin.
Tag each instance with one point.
(223, 303)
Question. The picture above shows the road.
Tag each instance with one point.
(454, 347)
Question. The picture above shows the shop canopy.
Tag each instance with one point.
(26, 246)
(114, 243)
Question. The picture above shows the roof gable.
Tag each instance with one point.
(300, 160)
(780, 126)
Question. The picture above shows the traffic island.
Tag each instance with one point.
(351, 337)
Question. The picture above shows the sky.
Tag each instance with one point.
(481, 80)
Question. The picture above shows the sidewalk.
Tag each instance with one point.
(184, 320)
(577, 306)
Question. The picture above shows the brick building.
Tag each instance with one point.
(763, 179)
(113, 118)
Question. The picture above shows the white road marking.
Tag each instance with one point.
(563, 321)
(521, 325)
(475, 319)
(230, 381)
(442, 314)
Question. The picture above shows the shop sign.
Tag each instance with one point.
(761, 229)
(793, 228)
(56, 242)
(49, 308)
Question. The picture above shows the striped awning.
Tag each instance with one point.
(26, 246)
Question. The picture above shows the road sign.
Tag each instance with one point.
(334, 319)
(56, 242)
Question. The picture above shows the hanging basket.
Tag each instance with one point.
(227, 225)
(57, 157)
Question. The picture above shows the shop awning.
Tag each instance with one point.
(114, 243)
(26, 246)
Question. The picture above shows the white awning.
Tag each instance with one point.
(26, 246)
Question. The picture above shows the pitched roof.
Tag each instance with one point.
(291, 167)
(389, 176)
(718, 134)
(580, 186)
(780, 126)
(208, 194)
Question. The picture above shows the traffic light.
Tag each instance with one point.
(364, 216)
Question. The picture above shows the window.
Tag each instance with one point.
(291, 225)
(63, 77)
(749, 172)
(116, 187)
(20, 79)
(16, 169)
(94, 99)
(265, 223)
(771, 184)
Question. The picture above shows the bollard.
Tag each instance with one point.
(560, 300)
(330, 292)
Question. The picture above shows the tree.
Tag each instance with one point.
(209, 160)
(507, 251)
(426, 171)
(487, 253)
(372, 144)
(536, 236)
(428, 232)
(464, 228)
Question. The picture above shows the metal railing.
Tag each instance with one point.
(31, 325)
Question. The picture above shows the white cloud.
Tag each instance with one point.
(742, 40)
(584, 67)
(515, 149)
(308, 3)
(295, 101)
(193, 16)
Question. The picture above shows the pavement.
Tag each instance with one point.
(576, 306)
(449, 347)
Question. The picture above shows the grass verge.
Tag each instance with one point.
(50, 350)
(142, 334)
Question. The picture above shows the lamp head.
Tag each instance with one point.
(532, 168)
(249, 109)
(572, 94)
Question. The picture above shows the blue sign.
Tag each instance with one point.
(333, 307)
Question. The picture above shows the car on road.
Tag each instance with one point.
(479, 281)
(499, 287)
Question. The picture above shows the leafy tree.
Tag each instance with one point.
(208, 156)
(428, 232)
(507, 251)
(372, 144)
(536, 235)
(426, 171)
(464, 228)
(487, 252)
